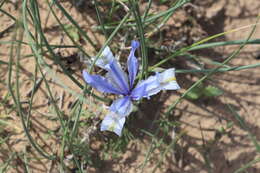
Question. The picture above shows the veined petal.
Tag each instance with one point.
(167, 80)
(147, 88)
(161, 81)
(105, 58)
(113, 122)
(139, 91)
(132, 63)
(118, 76)
(122, 106)
(100, 83)
(113, 82)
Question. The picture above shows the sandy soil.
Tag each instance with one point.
(200, 119)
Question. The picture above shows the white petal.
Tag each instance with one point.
(105, 58)
(173, 85)
(167, 80)
(167, 76)
(113, 122)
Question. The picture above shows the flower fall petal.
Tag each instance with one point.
(100, 83)
(113, 122)
(122, 106)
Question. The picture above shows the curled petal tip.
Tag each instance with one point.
(135, 44)
(105, 58)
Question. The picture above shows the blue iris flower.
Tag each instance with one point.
(116, 81)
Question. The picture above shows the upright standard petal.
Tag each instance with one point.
(113, 122)
(100, 83)
(167, 80)
(132, 63)
(118, 76)
(105, 58)
(122, 106)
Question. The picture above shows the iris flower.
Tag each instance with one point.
(116, 81)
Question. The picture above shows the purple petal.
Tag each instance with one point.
(146, 88)
(118, 76)
(132, 63)
(122, 106)
(100, 83)
(139, 91)
(135, 44)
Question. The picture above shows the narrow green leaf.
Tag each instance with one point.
(243, 125)
(72, 31)
(195, 93)
(211, 91)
